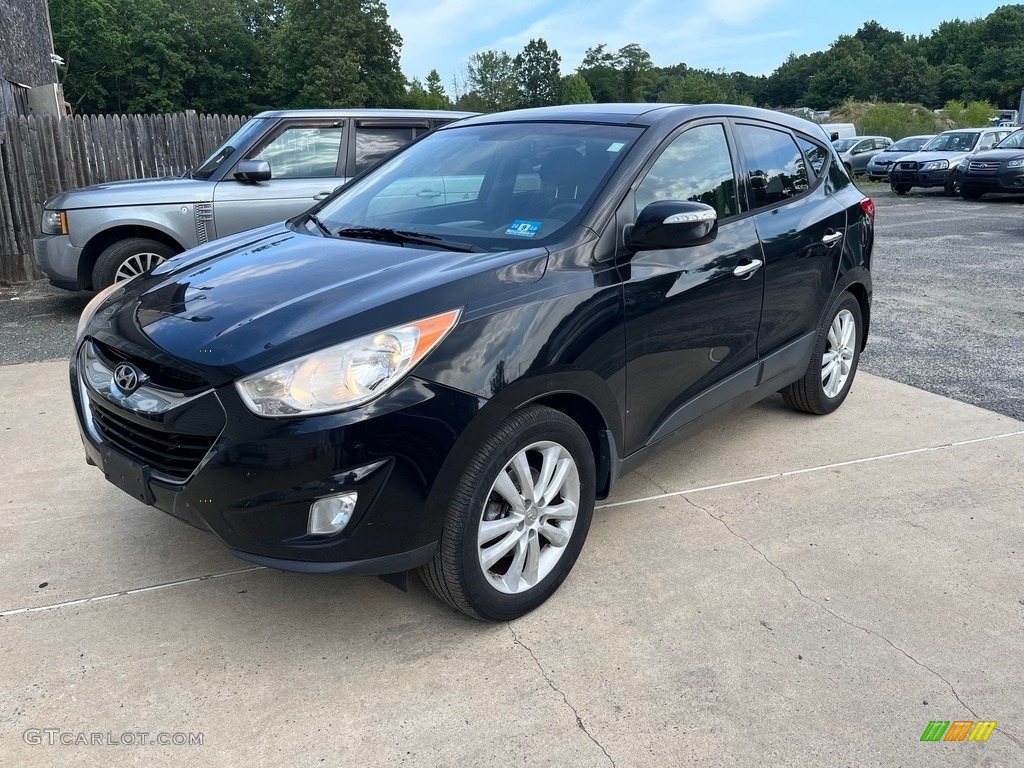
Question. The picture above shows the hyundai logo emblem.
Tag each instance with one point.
(127, 378)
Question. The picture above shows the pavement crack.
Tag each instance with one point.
(579, 720)
(651, 480)
(844, 620)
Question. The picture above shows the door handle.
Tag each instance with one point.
(322, 195)
(746, 270)
(428, 194)
(832, 238)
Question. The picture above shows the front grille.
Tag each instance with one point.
(981, 166)
(908, 166)
(174, 455)
(159, 375)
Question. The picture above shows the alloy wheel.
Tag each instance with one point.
(528, 517)
(837, 359)
(136, 264)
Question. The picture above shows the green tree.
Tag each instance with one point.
(575, 90)
(692, 88)
(634, 64)
(787, 86)
(538, 72)
(492, 75)
(88, 35)
(845, 73)
(436, 90)
(600, 69)
(339, 54)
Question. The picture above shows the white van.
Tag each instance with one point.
(839, 130)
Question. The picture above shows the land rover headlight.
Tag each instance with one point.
(54, 223)
(345, 375)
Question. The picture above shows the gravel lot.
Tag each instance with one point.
(948, 315)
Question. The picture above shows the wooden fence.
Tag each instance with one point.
(41, 156)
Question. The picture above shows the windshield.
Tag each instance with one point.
(842, 145)
(496, 187)
(958, 141)
(910, 144)
(1014, 141)
(239, 138)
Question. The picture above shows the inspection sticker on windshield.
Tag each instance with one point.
(523, 228)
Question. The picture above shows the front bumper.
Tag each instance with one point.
(920, 178)
(58, 258)
(1005, 181)
(878, 172)
(254, 486)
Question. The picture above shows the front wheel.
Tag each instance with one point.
(969, 194)
(833, 364)
(517, 519)
(899, 189)
(127, 258)
(952, 185)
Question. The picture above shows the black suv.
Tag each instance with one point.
(444, 364)
(1000, 169)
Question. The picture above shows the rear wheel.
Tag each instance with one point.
(899, 189)
(127, 258)
(833, 364)
(517, 519)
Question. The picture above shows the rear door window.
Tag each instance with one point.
(776, 170)
(374, 143)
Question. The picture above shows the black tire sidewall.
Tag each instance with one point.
(845, 301)
(485, 599)
(115, 254)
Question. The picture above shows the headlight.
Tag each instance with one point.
(55, 223)
(936, 165)
(94, 304)
(345, 375)
(1015, 164)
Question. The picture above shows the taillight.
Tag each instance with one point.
(868, 207)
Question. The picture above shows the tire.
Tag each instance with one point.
(490, 580)
(899, 189)
(967, 193)
(127, 258)
(952, 186)
(818, 392)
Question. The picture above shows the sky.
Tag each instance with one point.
(752, 36)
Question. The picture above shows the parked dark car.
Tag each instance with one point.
(856, 152)
(1000, 169)
(444, 364)
(275, 166)
(936, 163)
(880, 164)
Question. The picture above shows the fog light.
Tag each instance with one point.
(329, 516)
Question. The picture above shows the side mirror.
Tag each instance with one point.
(673, 224)
(253, 170)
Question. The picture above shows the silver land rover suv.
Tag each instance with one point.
(275, 166)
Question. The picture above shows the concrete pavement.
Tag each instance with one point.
(782, 590)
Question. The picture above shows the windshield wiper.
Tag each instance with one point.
(187, 174)
(401, 237)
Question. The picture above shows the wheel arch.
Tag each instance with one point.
(102, 240)
(577, 402)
